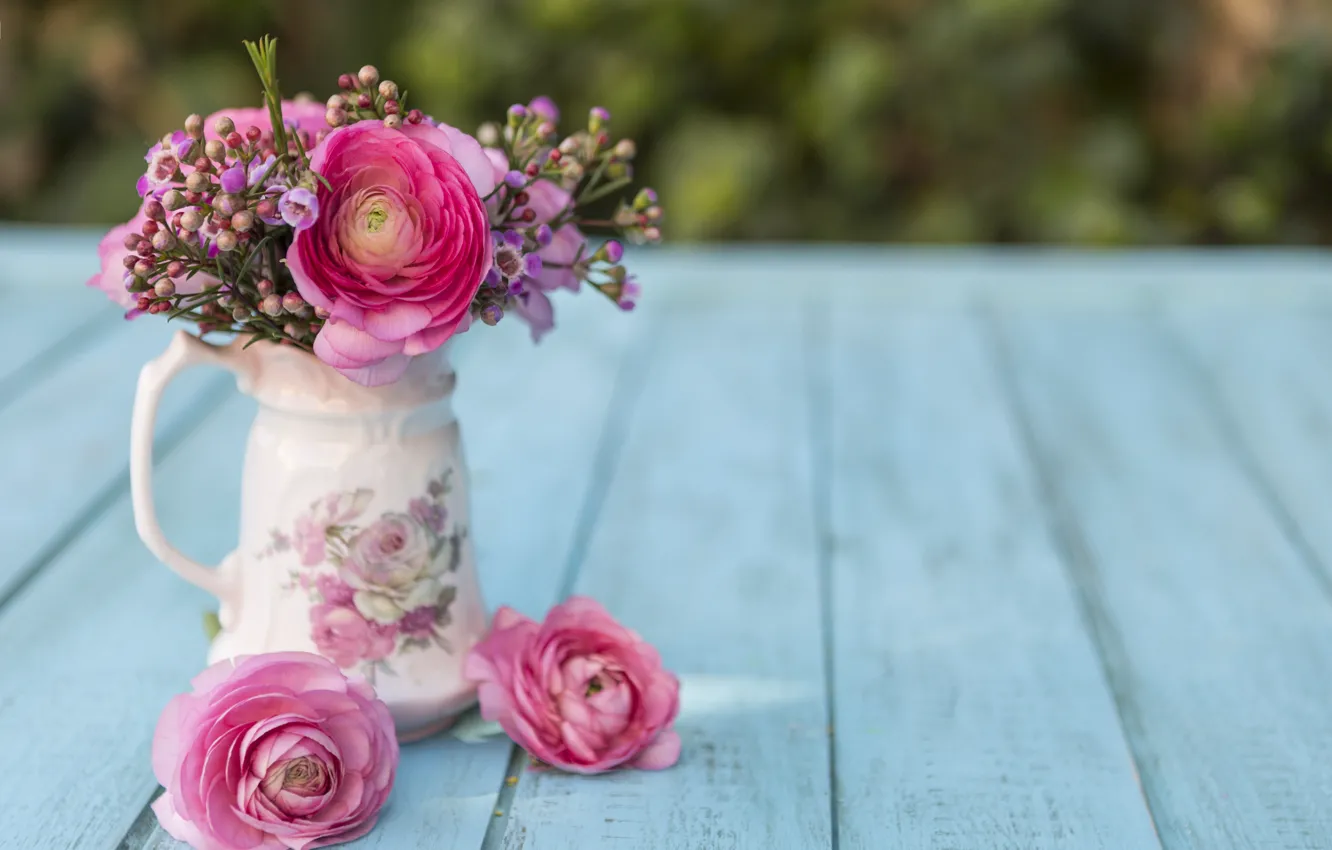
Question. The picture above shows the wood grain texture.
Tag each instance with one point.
(971, 708)
(529, 470)
(1217, 637)
(67, 439)
(1267, 372)
(706, 546)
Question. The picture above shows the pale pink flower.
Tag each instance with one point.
(273, 751)
(311, 529)
(579, 691)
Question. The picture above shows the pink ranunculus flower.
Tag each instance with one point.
(341, 634)
(112, 277)
(579, 691)
(400, 246)
(273, 751)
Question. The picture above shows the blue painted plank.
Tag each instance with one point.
(706, 546)
(1217, 637)
(1269, 373)
(971, 711)
(66, 440)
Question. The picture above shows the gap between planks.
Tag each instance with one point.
(818, 397)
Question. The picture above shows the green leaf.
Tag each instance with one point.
(211, 624)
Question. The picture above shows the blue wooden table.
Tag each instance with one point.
(954, 550)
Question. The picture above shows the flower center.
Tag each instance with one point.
(305, 774)
(375, 218)
(594, 686)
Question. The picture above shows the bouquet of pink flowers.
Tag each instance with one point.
(367, 232)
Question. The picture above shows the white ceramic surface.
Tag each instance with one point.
(354, 537)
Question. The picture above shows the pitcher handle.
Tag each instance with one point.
(184, 351)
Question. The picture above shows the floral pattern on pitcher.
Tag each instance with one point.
(388, 590)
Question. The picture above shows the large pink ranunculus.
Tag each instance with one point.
(112, 277)
(400, 246)
(273, 751)
(579, 691)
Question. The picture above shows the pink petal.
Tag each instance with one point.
(342, 346)
(397, 321)
(661, 753)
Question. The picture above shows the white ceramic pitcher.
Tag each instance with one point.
(354, 538)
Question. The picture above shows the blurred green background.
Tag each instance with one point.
(1052, 121)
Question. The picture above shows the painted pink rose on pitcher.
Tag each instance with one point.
(273, 751)
(379, 586)
(400, 245)
(341, 634)
(579, 692)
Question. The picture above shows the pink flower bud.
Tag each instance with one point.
(144, 248)
(346, 82)
(293, 303)
(335, 117)
(393, 122)
(388, 90)
(337, 101)
(226, 241)
(391, 107)
(164, 289)
(242, 221)
(149, 228)
(214, 149)
(234, 140)
(155, 210)
(132, 241)
(253, 133)
(129, 261)
(266, 209)
(271, 305)
(224, 126)
(143, 268)
(175, 268)
(363, 101)
(163, 240)
(265, 287)
(194, 126)
(368, 75)
(197, 182)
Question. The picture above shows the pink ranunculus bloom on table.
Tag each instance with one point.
(273, 751)
(399, 248)
(579, 692)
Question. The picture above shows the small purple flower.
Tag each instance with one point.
(515, 179)
(233, 179)
(259, 170)
(299, 208)
(419, 622)
(600, 113)
(629, 293)
(143, 187)
(614, 251)
(544, 235)
(513, 237)
(532, 265)
(545, 107)
(493, 277)
(428, 513)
